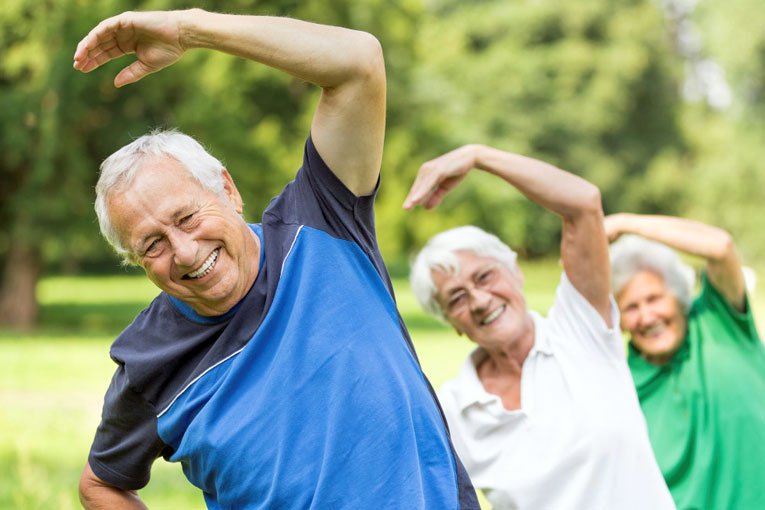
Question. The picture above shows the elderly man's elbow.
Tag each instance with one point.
(590, 200)
(370, 61)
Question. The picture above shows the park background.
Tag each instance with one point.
(658, 102)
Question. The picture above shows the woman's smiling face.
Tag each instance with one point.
(652, 315)
(484, 300)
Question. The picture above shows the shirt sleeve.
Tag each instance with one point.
(126, 442)
(577, 324)
(711, 302)
(318, 199)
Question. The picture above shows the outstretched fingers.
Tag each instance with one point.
(437, 177)
(101, 45)
(422, 188)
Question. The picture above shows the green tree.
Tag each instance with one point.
(728, 152)
(589, 86)
(58, 125)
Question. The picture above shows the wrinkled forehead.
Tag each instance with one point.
(158, 194)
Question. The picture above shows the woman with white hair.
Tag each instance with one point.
(698, 363)
(543, 413)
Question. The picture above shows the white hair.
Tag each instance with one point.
(632, 254)
(120, 168)
(439, 255)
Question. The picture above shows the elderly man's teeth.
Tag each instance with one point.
(493, 316)
(206, 267)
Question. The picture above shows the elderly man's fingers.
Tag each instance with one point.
(132, 74)
(101, 44)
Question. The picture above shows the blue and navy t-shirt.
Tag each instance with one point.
(307, 394)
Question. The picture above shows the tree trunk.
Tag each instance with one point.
(18, 287)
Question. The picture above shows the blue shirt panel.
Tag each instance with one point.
(332, 409)
(172, 359)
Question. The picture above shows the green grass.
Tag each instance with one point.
(52, 383)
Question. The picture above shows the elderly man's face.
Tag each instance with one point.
(484, 300)
(653, 317)
(192, 243)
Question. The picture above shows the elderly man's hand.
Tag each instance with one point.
(154, 37)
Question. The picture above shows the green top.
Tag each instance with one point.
(705, 409)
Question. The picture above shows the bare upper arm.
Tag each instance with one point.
(726, 275)
(348, 128)
(584, 252)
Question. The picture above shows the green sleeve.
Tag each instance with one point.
(711, 303)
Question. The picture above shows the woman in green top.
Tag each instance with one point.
(698, 364)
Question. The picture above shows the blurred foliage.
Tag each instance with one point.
(591, 86)
(587, 85)
(728, 147)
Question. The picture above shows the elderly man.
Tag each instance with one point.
(697, 361)
(274, 365)
(543, 412)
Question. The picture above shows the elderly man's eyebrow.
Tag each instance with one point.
(186, 210)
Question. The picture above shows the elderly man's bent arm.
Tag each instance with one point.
(95, 494)
(713, 244)
(349, 123)
(584, 249)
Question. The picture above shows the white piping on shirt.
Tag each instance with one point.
(167, 408)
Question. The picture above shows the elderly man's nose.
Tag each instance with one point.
(184, 250)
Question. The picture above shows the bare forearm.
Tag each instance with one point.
(713, 244)
(95, 494)
(324, 55)
(584, 249)
(559, 191)
(692, 237)
(109, 498)
(349, 125)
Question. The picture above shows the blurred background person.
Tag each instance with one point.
(698, 362)
(543, 413)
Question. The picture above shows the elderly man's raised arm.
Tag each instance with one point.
(349, 123)
(713, 244)
(584, 249)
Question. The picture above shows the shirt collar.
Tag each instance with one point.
(541, 338)
(470, 391)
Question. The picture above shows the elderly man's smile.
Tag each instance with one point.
(205, 268)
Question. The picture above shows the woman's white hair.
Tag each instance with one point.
(632, 254)
(119, 169)
(439, 255)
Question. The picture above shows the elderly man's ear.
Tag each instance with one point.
(231, 192)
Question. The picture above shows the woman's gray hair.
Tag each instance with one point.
(632, 254)
(439, 255)
(120, 168)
